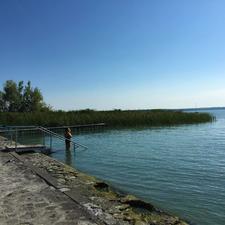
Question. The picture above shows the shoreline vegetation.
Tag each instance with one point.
(22, 104)
(112, 118)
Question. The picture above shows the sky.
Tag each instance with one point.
(116, 54)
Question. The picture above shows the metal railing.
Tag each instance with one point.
(12, 135)
(51, 133)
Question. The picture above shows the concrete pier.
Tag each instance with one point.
(25, 198)
(36, 189)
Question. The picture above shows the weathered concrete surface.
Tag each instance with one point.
(96, 197)
(26, 199)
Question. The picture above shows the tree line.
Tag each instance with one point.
(17, 97)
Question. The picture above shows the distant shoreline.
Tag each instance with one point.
(204, 108)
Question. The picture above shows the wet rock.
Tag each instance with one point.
(101, 186)
(139, 204)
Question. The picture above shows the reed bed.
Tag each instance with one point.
(111, 118)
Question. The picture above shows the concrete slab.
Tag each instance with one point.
(28, 199)
(37, 189)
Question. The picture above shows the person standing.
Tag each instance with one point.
(67, 136)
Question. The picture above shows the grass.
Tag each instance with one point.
(111, 118)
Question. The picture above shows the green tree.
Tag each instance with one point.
(32, 99)
(2, 103)
(19, 98)
(11, 96)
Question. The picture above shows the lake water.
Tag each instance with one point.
(180, 169)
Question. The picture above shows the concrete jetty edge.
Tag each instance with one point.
(96, 201)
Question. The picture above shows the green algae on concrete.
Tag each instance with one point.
(99, 199)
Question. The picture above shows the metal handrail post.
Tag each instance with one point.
(16, 140)
(51, 142)
(11, 137)
(43, 137)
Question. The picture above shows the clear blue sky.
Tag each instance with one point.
(128, 54)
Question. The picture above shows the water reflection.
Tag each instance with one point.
(68, 157)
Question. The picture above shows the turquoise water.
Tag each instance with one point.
(180, 169)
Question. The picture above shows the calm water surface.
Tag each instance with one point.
(179, 169)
